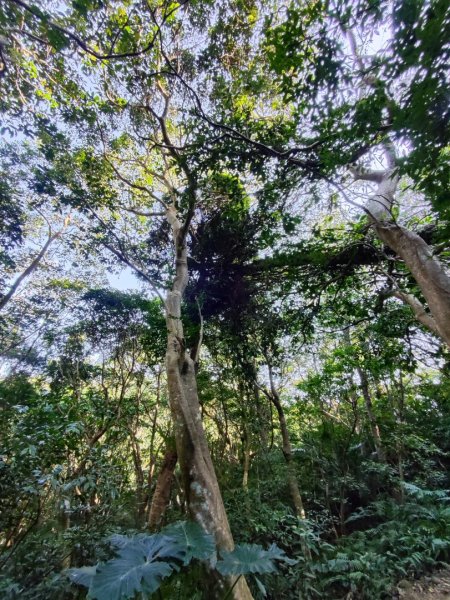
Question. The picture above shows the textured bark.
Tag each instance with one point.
(287, 452)
(141, 499)
(419, 310)
(161, 495)
(203, 497)
(264, 419)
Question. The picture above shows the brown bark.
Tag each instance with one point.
(203, 497)
(264, 416)
(140, 478)
(398, 408)
(161, 495)
(287, 452)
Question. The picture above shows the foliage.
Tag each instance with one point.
(143, 561)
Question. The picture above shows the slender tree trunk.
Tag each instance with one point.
(287, 452)
(328, 502)
(263, 413)
(287, 448)
(398, 408)
(203, 497)
(342, 512)
(371, 415)
(161, 495)
(246, 459)
(140, 478)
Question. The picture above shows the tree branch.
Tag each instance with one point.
(83, 45)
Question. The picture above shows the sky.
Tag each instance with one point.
(125, 280)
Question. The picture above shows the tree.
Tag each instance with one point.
(312, 53)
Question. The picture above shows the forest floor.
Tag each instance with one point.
(433, 587)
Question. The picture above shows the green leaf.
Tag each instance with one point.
(250, 558)
(195, 542)
(82, 576)
(143, 561)
(57, 39)
(123, 577)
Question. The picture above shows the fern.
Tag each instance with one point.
(422, 494)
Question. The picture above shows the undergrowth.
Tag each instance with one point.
(406, 539)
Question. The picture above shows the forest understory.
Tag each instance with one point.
(224, 299)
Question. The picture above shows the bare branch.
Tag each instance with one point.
(84, 46)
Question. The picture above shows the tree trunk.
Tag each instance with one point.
(246, 459)
(263, 413)
(32, 266)
(287, 448)
(427, 270)
(287, 452)
(371, 415)
(161, 495)
(140, 479)
(203, 497)
(429, 273)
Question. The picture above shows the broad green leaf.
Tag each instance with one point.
(195, 542)
(82, 576)
(136, 569)
(250, 558)
(57, 39)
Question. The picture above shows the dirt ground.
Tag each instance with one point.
(434, 587)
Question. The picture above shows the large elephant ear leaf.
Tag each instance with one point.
(156, 545)
(119, 541)
(250, 558)
(131, 572)
(141, 564)
(195, 541)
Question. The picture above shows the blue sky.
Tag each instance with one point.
(125, 280)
